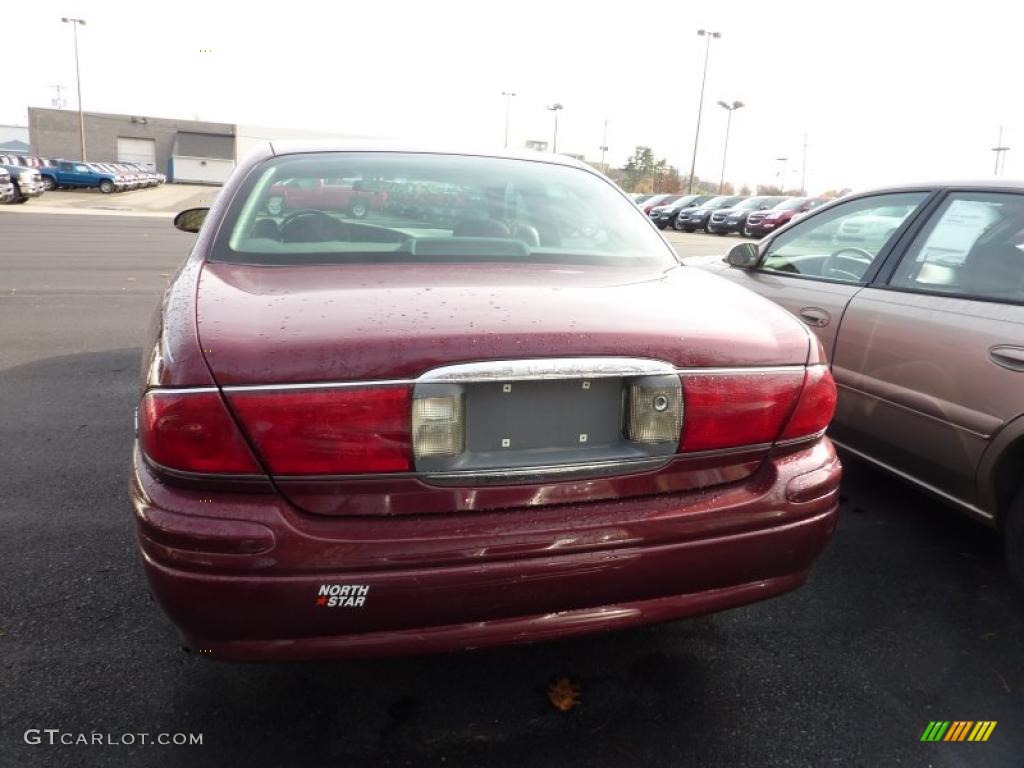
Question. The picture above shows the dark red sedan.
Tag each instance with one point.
(403, 436)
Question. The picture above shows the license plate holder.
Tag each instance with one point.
(543, 417)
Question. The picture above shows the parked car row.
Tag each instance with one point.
(724, 214)
(56, 173)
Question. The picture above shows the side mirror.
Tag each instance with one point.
(191, 220)
(743, 256)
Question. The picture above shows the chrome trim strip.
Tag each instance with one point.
(976, 511)
(715, 452)
(180, 391)
(521, 370)
(319, 385)
(181, 474)
(798, 440)
(539, 369)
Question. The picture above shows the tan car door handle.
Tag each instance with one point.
(1008, 356)
(815, 316)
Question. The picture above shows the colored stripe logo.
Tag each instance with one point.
(958, 730)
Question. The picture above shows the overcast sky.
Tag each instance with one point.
(885, 91)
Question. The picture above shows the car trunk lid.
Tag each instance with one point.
(312, 330)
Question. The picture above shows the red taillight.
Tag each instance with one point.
(193, 432)
(347, 430)
(735, 409)
(816, 406)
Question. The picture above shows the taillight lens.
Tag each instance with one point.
(732, 410)
(193, 432)
(347, 430)
(816, 406)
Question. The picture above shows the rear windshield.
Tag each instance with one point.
(339, 207)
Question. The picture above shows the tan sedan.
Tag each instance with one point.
(917, 293)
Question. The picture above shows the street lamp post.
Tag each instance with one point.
(1000, 151)
(509, 95)
(556, 107)
(75, 23)
(730, 108)
(700, 105)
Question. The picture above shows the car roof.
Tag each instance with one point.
(1016, 185)
(296, 146)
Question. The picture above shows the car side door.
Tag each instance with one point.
(813, 269)
(932, 355)
(65, 174)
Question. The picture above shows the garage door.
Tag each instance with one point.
(141, 151)
(198, 170)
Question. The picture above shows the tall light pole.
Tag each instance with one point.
(604, 145)
(728, 121)
(1000, 151)
(556, 107)
(509, 95)
(700, 105)
(782, 178)
(75, 23)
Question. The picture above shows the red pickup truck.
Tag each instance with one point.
(356, 198)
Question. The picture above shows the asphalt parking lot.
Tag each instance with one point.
(909, 616)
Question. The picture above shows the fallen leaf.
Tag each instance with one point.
(564, 694)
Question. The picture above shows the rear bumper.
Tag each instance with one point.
(263, 582)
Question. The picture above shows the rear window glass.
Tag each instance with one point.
(388, 206)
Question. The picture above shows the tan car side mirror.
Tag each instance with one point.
(743, 256)
(191, 220)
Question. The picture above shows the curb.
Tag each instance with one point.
(29, 208)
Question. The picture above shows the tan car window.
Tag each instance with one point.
(842, 243)
(974, 248)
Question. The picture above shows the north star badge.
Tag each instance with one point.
(342, 595)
